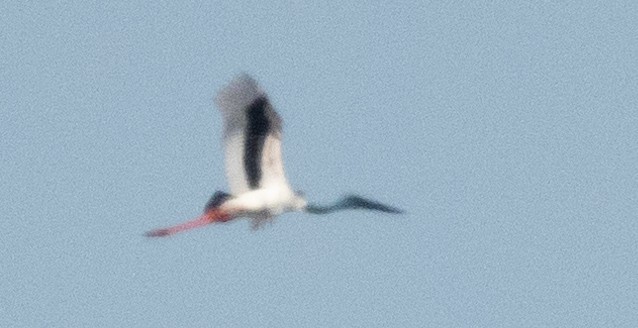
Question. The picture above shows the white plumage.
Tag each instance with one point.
(254, 166)
(233, 102)
(251, 122)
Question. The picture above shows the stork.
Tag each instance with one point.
(254, 168)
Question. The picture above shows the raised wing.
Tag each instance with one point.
(252, 136)
(350, 202)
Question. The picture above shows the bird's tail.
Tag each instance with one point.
(211, 216)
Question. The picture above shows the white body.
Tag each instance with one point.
(254, 168)
(263, 203)
(273, 196)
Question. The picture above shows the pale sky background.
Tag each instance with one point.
(508, 131)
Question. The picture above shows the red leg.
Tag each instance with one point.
(208, 218)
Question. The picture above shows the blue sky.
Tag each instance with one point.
(507, 131)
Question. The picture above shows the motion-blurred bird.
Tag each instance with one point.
(254, 168)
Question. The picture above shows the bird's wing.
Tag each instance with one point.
(352, 202)
(252, 136)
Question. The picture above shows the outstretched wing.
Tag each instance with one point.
(252, 136)
(352, 202)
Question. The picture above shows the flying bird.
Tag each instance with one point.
(259, 189)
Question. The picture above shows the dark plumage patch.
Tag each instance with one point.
(258, 126)
(351, 202)
(216, 200)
